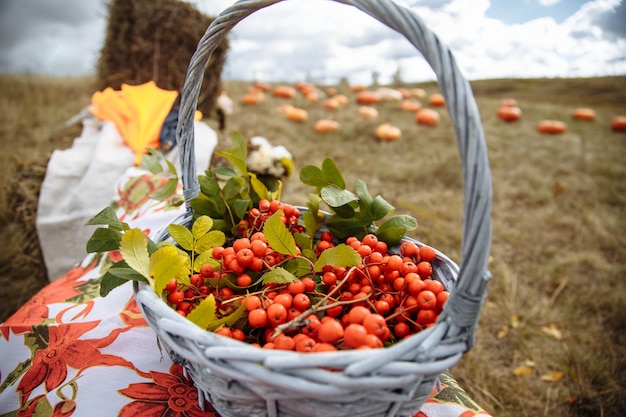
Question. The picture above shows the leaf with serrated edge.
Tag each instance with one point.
(181, 235)
(341, 255)
(134, 250)
(166, 263)
(278, 276)
(201, 226)
(205, 257)
(278, 236)
(212, 239)
(204, 313)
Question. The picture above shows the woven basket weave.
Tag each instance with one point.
(239, 379)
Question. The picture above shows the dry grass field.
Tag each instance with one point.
(552, 335)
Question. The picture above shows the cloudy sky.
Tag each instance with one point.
(323, 41)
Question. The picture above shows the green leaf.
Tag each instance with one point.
(238, 154)
(240, 208)
(172, 168)
(109, 282)
(108, 217)
(394, 229)
(311, 222)
(134, 250)
(201, 226)
(209, 186)
(152, 163)
(402, 220)
(313, 176)
(360, 189)
(278, 276)
(341, 255)
(181, 235)
(332, 175)
(233, 188)
(166, 191)
(205, 257)
(303, 240)
(278, 236)
(297, 266)
(380, 208)
(210, 240)
(225, 173)
(344, 228)
(167, 263)
(259, 187)
(103, 240)
(118, 274)
(212, 207)
(204, 313)
(335, 197)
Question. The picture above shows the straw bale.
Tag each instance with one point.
(155, 41)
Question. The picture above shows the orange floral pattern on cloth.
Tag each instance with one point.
(69, 352)
(170, 394)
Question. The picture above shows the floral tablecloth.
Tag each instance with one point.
(68, 351)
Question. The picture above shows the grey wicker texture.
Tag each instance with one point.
(239, 379)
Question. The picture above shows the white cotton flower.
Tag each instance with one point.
(263, 158)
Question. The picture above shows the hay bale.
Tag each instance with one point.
(155, 41)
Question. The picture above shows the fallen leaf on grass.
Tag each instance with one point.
(552, 331)
(554, 376)
(502, 332)
(523, 370)
(514, 321)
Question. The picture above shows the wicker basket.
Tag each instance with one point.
(239, 379)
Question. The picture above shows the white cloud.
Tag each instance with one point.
(326, 40)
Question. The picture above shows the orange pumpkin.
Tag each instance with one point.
(326, 126)
(296, 114)
(331, 91)
(410, 105)
(509, 113)
(436, 100)
(427, 117)
(357, 87)
(367, 97)
(284, 91)
(262, 86)
(508, 102)
(331, 104)
(368, 112)
(388, 132)
(252, 98)
(619, 124)
(552, 127)
(341, 99)
(583, 113)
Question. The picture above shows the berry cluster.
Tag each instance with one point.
(384, 298)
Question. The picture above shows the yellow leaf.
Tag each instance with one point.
(523, 371)
(134, 250)
(514, 321)
(167, 263)
(552, 331)
(504, 330)
(554, 376)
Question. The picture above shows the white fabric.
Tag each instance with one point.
(80, 181)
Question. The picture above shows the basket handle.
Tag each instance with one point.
(460, 103)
